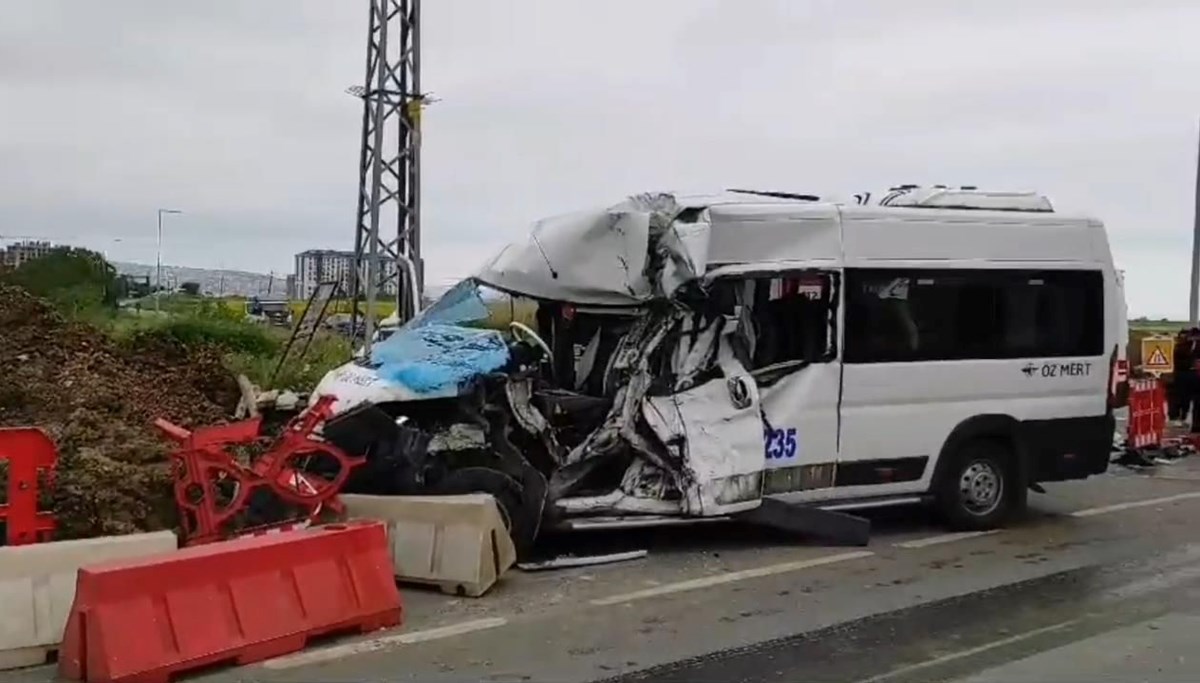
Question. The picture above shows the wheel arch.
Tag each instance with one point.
(998, 427)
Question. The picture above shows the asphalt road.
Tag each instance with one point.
(1100, 582)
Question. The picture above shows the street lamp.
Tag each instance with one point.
(158, 263)
(104, 252)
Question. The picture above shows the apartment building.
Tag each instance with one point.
(20, 252)
(315, 266)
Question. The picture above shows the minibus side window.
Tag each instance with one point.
(789, 319)
(928, 315)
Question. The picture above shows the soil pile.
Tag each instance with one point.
(98, 401)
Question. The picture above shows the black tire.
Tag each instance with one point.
(521, 523)
(977, 490)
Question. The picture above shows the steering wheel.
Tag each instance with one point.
(523, 333)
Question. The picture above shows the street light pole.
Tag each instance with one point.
(1194, 292)
(158, 260)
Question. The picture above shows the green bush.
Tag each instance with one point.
(326, 352)
(75, 281)
(229, 335)
(215, 309)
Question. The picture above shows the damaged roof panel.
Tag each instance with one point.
(635, 251)
(593, 257)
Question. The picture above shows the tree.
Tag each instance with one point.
(192, 288)
(74, 280)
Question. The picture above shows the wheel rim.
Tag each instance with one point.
(981, 487)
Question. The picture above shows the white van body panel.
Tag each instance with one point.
(835, 427)
(884, 412)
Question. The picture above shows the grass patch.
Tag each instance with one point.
(230, 336)
(248, 348)
(326, 352)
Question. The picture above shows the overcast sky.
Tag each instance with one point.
(234, 111)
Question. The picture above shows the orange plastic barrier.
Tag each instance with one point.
(1147, 413)
(237, 601)
(29, 452)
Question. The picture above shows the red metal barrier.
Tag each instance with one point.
(29, 452)
(1147, 413)
(240, 601)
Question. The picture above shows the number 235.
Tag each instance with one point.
(781, 443)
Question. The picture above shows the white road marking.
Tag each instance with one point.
(944, 538)
(1092, 512)
(731, 577)
(412, 637)
(970, 652)
(375, 644)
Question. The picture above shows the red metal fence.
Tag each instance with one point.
(31, 459)
(1147, 413)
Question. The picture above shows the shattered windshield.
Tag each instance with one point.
(455, 339)
(463, 304)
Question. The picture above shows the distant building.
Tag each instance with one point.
(21, 252)
(291, 287)
(325, 265)
(322, 265)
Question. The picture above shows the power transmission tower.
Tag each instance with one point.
(387, 241)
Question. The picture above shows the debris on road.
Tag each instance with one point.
(831, 526)
(98, 401)
(570, 561)
(255, 401)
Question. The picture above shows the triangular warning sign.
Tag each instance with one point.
(1158, 358)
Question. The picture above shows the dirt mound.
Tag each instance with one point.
(98, 401)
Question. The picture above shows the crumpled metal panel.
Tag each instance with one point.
(624, 255)
(720, 432)
(594, 258)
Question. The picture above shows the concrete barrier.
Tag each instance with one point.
(458, 543)
(37, 587)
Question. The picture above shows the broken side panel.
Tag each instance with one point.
(786, 320)
(718, 427)
(801, 414)
(798, 371)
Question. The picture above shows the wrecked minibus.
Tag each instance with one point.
(686, 357)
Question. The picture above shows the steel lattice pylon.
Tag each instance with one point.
(387, 235)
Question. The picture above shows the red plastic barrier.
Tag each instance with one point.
(237, 601)
(28, 451)
(1147, 413)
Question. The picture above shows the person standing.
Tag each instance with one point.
(1177, 406)
(1191, 386)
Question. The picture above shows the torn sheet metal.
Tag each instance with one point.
(683, 251)
(519, 393)
(624, 255)
(695, 352)
(618, 435)
(587, 361)
(615, 502)
(459, 437)
(719, 426)
(585, 258)
(568, 561)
